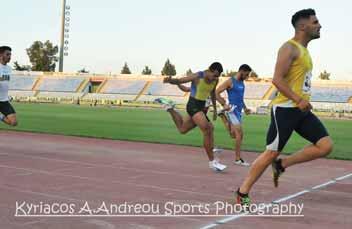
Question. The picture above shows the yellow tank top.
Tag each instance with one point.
(298, 77)
(202, 89)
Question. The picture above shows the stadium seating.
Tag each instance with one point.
(66, 84)
(331, 94)
(332, 107)
(24, 83)
(117, 86)
(326, 96)
(158, 88)
(256, 90)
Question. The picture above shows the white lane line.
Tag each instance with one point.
(324, 184)
(343, 177)
(280, 200)
(283, 199)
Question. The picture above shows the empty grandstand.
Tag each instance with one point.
(157, 89)
(58, 89)
(331, 94)
(21, 87)
(136, 90)
(115, 91)
(256, 90)
(117, 86)
(65, 84)
(22, 83)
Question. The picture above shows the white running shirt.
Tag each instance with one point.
(5, 73)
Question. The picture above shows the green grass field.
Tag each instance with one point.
(151, 125)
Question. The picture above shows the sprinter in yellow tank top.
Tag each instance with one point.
(291, 109)
(203, 85)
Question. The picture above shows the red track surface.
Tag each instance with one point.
(48, 168)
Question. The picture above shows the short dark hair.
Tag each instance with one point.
(245, 68)
(4, 48)
(305, 14)
(216, 66)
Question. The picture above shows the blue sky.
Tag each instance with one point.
(192, 33)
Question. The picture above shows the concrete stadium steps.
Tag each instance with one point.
(37, 83)
(83, 85)
(270, 93)
(256, 90)
(101, 86)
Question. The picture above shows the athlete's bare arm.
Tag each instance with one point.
(287, 54)
(183, 88)
(225, 85)
(181, 80)
(213, 100)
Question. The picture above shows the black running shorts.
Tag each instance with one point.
(6, 108)
(285, 120)
(194, 106)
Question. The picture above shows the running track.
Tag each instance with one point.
(50, 168)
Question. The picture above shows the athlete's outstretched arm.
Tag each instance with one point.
(287, 54)
(181, 80)
(219, 90)
(183, 88)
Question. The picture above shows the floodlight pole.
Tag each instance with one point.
(61, 58)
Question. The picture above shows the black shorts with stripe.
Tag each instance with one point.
(6, 108)
(285, 120)
(194, 106)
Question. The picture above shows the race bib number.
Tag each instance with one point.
(307, 84)
(5, 78)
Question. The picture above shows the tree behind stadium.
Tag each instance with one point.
(189, 72)
(125, 69)
(168, 69)
(146, 71)
(19, 67)
(324, 75)
(83, 70)
(43, 56)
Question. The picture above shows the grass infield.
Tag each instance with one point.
(153, 125)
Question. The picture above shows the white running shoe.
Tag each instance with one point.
(166, 103)
(217, 166)
(241, 162)
(217, 150)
